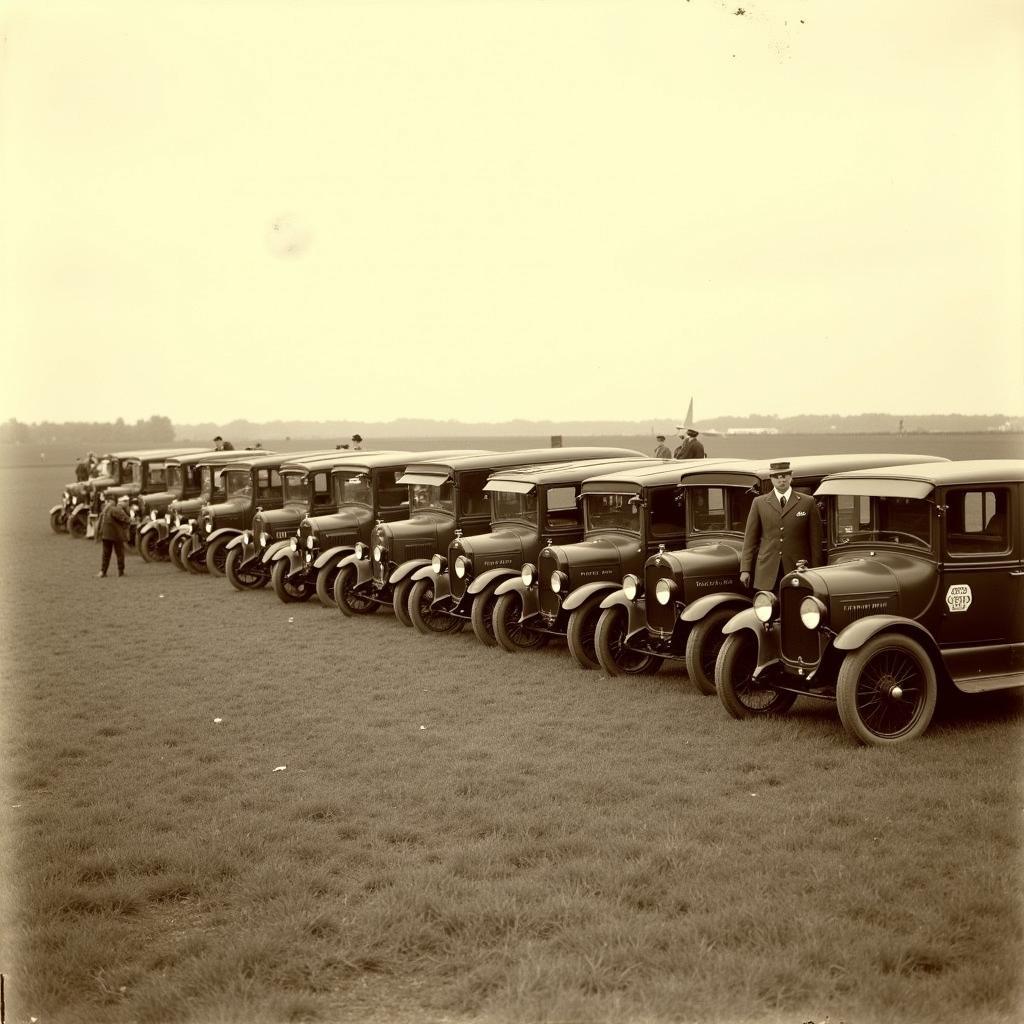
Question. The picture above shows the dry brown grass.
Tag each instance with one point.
(461, 834)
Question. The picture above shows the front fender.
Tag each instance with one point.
(248, 550)
(56, 508)
(636, 611)
(581, 595)
(487, 579)
(363, 567)
(224, 531)
(332, 557)
(442, 584)
(704, 606)
(158, 526)
(513, 585)
(270, 554)
(80, 507)
(859, 632)
(407, 569)
(767, 637)
(294, 557)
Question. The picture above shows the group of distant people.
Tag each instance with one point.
(86, 468)
(355, 444)
(689, 447)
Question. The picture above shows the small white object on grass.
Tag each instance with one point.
(281, 768)
(291, 618)
(423, 727)
(161, 595)
(217, 721)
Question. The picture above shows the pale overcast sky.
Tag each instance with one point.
(485, 210)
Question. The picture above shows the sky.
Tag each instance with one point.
(484, 210)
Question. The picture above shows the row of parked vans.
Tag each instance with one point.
(633, 561)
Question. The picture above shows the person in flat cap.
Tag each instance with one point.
(112, 531)
(690, 446)
(662, 451)
(221, 445)
(783, 528)
(357, 443)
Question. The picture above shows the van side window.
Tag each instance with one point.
(977, 521)
(321, 489)
(389, 494)
(563, 510)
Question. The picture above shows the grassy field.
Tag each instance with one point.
(458, 834)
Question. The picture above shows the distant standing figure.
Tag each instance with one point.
(662, 451)
(357, 443)
(81, 470)
(783, 528)
(221, 445)
(691, 447)
(112, 529)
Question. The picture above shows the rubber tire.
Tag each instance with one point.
(149, 542)
(400, 602)
(325, 578)
(851, 688)
(511, 635)
(608, 637)
(580, 635)
(288, 593)
(481, 616)
(350, 605)
(736, 661)
(196, 568)
(217, 556)
(57, 521)
(423, 619)
(702, 647)
(78, 524)
(174, 549)
(235, 556)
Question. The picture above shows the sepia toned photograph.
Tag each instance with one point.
(513, 512)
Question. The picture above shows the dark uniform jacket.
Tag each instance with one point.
(691, 448)
(113, 523)
(774, 534)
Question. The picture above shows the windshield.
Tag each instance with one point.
(424, 497)
(295, 488)
(506, 505)
(866, 519)
(131, 473)
(612, 512)
(174, 477)
(353, 488)
(206, 482)
(718, 509)
(238, 484)
(156, 474)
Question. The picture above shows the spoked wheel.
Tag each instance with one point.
(426, 619)
(57, 521)
(289, 591)
(702, 647)
(742, 694)
(217, 556)
(241, 579)
(400, 602)
(193, 565)
(325, 578)
(610, 646)
(348, 601)
(511, 634)
(886, 691)
(78, 523)
(481, 617)
(176, 548)
(149, 546)
(580, 634)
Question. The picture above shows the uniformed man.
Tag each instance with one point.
(662, 451)
(783, 528)
(691, 447)
(357, 443)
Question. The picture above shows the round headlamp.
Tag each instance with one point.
(152, 515)
(631, 586)
(361, 550)
(558, 580)
(263, 540)
(309, 556)
(246, 537)
(812, 611)
(764, 605)
(294, 544)
(461, 566)
(663, 591)
(310, 542)
(209, 527)
(437, 563)
(378, 552)
(526, 575)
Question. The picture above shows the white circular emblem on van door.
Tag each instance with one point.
(958, 597)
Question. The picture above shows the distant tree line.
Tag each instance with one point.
(155, 431)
